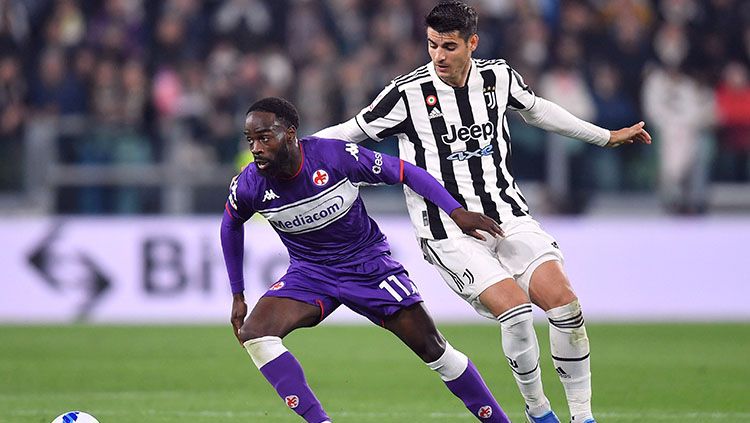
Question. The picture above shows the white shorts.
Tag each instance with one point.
(469, 266)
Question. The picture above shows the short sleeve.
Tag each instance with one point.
(385, 115)
(237, 202)
(520, 96)
(367, 167)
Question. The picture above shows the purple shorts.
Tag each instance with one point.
(374, 289)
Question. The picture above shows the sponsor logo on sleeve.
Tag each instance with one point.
(377, 167)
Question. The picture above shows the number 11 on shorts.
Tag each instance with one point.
(391, 290)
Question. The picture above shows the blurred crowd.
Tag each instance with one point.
(168, 82)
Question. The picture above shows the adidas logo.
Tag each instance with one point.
(562, 373)
(435, 113)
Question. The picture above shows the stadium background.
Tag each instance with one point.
(120, 127)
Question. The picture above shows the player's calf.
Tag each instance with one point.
(522, 352)
(284, 372)
(569, 345)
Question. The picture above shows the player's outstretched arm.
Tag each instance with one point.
(629, 135)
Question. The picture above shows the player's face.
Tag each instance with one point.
(451, 55)
(269, 142)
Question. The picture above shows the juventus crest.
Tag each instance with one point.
(490, 97)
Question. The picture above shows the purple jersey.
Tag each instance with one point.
(318, 213)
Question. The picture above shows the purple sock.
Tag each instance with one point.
(472, 390)
(285, 374)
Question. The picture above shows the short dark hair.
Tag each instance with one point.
(285, 111)
(452, 16)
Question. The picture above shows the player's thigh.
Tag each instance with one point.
(377, 289)
(414, 327)
(549, 287)
(471, 267)
(301, 298)
(278, 316)
(525, 246)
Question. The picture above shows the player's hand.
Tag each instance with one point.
(239, 311)
(635, 133)
(471, 222)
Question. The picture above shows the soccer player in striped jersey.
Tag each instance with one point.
(308, 189)
(450, 119)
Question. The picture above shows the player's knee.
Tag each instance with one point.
(251, 330)
(554, 298)
(569, 314)
(434, 347)
(264, 349)
(429, 347)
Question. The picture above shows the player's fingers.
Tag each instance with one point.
(236, 329)
(476, 235)
(493, 228)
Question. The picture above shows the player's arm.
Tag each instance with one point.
(232, 245)
(550, 116)
(233, 248)
(375, 168)
(379, 120)
(428, 187)
(346, 131)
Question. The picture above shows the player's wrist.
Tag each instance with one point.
(238, 296)
(458, 210)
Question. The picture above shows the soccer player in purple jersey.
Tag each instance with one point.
(308, 189)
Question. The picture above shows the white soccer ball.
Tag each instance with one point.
(75, 417)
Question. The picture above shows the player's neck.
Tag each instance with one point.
(294, 165)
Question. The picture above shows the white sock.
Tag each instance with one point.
(570, 355)
(522, 352)
(451, 364)
(264, 349)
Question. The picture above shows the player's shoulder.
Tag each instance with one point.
(329, 149)
(247, 181)
(491, 63)
(417, 76)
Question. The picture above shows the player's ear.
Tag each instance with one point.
(291, 132)
(473, 42)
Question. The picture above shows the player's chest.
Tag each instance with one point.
(314, 181)
(315, 198)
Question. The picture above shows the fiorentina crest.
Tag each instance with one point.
(292, 401)
(485, 412)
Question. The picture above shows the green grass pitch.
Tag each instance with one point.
(642, 373)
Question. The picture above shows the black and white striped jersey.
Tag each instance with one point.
(459, 135)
